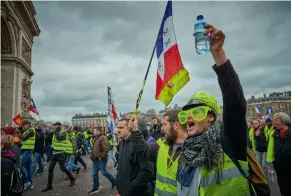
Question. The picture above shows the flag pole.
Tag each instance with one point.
(144, 81)
(7, 124)
(146, 75)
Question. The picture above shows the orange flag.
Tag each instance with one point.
(17, 119)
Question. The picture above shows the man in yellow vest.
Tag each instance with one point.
(168, 154)
(110, 141)
(27, 135)
(269, 127)
(59, 147)
(206, 164)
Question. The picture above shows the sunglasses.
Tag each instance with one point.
(197, 114)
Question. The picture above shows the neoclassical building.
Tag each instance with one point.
(18, 28)
(90, 120)
(279, 101)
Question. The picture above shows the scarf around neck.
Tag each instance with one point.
(203, 150)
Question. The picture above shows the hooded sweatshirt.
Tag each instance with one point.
(135, 170)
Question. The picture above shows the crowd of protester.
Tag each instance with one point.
(186, 153)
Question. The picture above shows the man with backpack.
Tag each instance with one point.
(11, 183)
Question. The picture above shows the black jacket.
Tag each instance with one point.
(282, 147)
(48, 137)
(157, 132)
(261, 142)
(39, 141)
(135, 170)
(234, 134)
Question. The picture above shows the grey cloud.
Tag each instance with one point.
(85, 46)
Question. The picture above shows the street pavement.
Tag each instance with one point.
(84, 183)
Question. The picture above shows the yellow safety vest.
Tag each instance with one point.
(69, 148)
(231, 183)
(269, 131)
(60, 145)
(166, 183)
(160, 141)
(29, 143)
(271, 149)
(252, 137)
(86, 135)
(111, 140)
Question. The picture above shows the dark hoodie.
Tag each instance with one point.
(135, 170)
(39, 141)
(7, 162)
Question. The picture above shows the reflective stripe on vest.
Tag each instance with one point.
(231, 182)
(166, 184)
(159, 192)
(29, 143)
(59, 145)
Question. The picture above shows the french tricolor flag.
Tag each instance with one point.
(171, 74)
(32, 107)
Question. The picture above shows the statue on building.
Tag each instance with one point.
(25, 98)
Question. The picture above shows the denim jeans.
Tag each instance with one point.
(25, 167)
(100, 165)
(71, 165)
(85, 146)
(112, 156)
(37, 160)
(261, 158)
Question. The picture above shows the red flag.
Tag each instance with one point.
(17, 119)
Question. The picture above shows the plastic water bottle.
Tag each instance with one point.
(202, 42)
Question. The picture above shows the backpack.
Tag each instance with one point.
(258, 183)
(10, 179)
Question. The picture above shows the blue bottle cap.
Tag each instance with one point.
(200, 17)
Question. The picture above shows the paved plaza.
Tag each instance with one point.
(84, 183)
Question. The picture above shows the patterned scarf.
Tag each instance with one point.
(203, 150)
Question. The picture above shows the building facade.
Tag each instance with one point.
(18, 28)
(279, 101)
(90, 120)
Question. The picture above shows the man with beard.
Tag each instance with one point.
(168, 154)
(59, 145)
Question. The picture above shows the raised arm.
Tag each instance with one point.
(234, 103)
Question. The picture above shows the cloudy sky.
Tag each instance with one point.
(85, 46)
